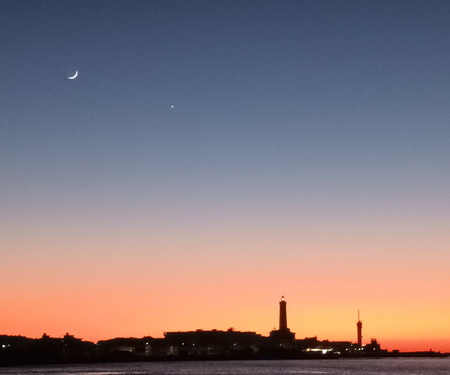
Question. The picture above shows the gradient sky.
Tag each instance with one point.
(214, 155)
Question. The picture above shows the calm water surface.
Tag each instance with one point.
(391, 366)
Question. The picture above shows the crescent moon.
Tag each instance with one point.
(74, 76)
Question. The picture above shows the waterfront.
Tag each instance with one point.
(391, 366)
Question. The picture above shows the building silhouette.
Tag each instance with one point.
(190, 345)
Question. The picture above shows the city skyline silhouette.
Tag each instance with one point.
(196, 345)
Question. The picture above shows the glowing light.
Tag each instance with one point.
(74, 76)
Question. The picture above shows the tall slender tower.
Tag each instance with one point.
(283, 315)
(283, 333)
(359, 327)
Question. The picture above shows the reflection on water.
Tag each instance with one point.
(385, 366)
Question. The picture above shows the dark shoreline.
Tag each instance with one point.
(189, 346)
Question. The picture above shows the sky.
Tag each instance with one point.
(212, 156)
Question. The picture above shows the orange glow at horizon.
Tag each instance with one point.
(182, 285)
(106, 310)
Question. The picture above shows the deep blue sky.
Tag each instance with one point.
(288, 117)
(297, 94)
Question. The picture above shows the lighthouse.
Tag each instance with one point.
(283, 332)
(283, 315)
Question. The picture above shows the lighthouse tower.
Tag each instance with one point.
(283, 315)
(283, 332)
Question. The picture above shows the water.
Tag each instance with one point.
(386, 366)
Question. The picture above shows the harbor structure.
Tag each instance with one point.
(359, 331)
